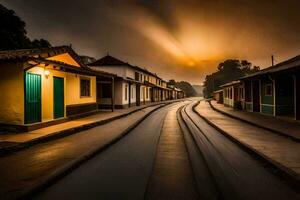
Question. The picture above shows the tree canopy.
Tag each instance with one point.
(13, 34)
(185, 86)
(227, 71)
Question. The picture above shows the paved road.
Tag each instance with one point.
(26, 169)
(237, 174)
(120, 172)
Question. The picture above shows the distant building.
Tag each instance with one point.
(233, 94)
(133, 85)
(275, 90)
(271, 91)
(218, 96)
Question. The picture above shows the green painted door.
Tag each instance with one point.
(32, 98)
(58, 97)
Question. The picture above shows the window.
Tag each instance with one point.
(137, 76)
(85, 87)
(126, 92)
(268, 90)
(147, 93)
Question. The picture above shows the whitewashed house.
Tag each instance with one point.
(133, 85)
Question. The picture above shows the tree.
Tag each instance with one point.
(13, 34)
(185, 86)
(227, 71)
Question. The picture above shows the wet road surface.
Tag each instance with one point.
(237, 174)
(164, 159)
(172, 176)
(120, 172)
(26, 169)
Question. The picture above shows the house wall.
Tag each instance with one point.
(133, 93)
(227, 98)
(118, 92)
(47, 90)
(73, 90)
(248, 96)
(12, 93)
(129, 73)
(267, 101)
(125, 97)
(74, 103)
(118, 70)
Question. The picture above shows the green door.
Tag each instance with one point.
(58, 97)
(32, 98)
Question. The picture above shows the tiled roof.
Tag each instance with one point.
(231, 83)
(285, 65)
(84, 70)
(39, 53)
(108, 61)
(112, 61)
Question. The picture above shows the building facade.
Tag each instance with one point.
(44, 86)
(272, 91)
(134, 86)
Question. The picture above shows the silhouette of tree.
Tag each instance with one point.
(227, 71)
(185, 86)
(13, 34)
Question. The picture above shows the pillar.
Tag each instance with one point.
(297, 96)
(112, 94)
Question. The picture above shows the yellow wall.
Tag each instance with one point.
(73, 90)
(66, 58)
(12, 93)
(47, 90)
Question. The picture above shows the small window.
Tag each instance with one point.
(126, 92)
(85, 87)
(268, 90)
(147, 93)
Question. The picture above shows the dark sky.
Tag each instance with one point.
(181, 39)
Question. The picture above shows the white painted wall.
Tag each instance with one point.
(118, 92)
(119, 70)
(133, 93)
(124, 99)
(130, 73)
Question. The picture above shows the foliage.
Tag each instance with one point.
(13, 34)
(185, 86)
(227, 71)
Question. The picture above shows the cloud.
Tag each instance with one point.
(177, 39)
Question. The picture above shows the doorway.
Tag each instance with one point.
(33, 103)
(256, 96)
(58, 97)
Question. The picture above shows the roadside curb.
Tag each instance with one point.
(64, 133)
(254, 124)
(285, 172)
(68, 168)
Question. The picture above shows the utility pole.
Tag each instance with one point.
(272, 58)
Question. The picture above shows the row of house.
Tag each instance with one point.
(41, 87)
(272, 91)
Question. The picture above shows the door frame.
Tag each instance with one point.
(25, 99)
(64, 111)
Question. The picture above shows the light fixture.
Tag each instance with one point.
(47, 73)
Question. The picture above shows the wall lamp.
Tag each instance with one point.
(47, 73)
